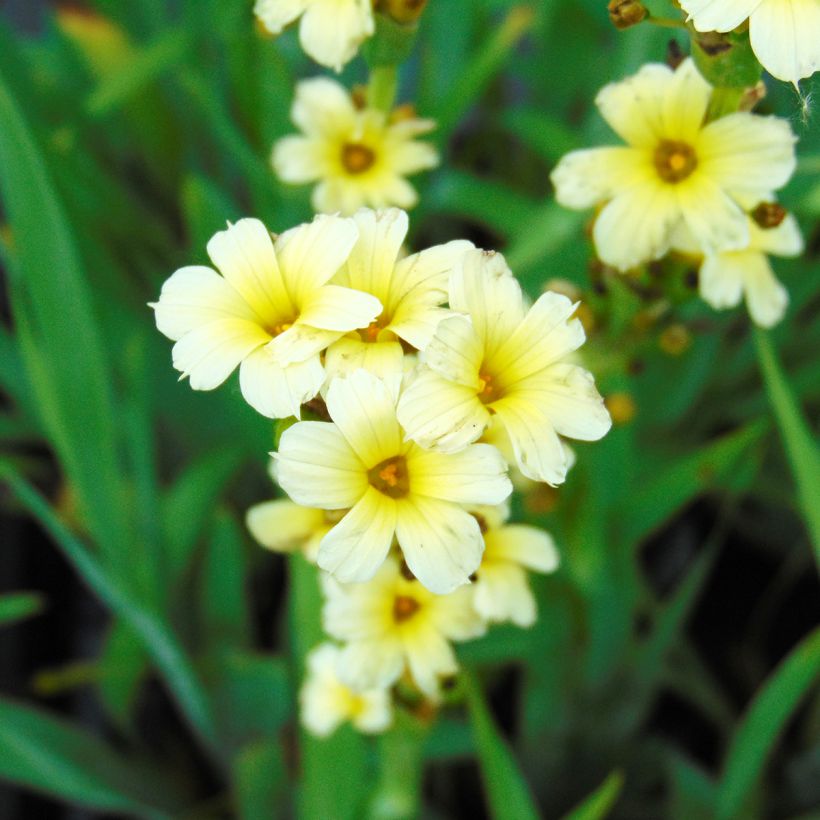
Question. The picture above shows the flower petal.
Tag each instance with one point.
(342, 309)
(317, 468)
(244, 255)
(357, 546)
(766, 297)
(194, 296)
(429, 656)
(474, 475)
(282, 526)
(322, 107)
(209, 354)
(383, 359)
(439, 414)
(785, 240)
(441, 543)
(715, 221)
(276, 14)
(456, 352)
(522, 544)
(332, 31)
(311, 254)
(718, 15)
(685, 103)
(364, 411)
(785, 38)
(502, 593)
(298, 160)
(721, 278)
(371, 664)
(278, 392)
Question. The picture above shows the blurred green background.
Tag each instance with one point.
(150, 652)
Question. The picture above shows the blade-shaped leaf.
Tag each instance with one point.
(17, 606)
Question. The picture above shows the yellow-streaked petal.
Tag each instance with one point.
(439, 414)
(382, 359)
(475, 475)
(745, 152)
(547, 334)
(456, 352)
(299, 343)
(634, 107)
(685, 103)
(371, 262)
(566, 396)
(483, 286)
(539, 453)
(310, 255)
(635, 227)
(317, 468)
(245, 256)
(356, 547)
(522, 544)
(441, 543)
(341, 309)
(194, 296)
(279, 392)
(365, 412)
(591, 176)
(282, 526)
(209, 354)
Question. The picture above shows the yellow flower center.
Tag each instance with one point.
(404, 608)
(371, 332)
(357, 158)
(390, 477)
(675, 161)
(488, 388)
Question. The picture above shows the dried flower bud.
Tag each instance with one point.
(626, 13)
(402, 11)
(621, 407)
(769, 214)
(675, 340)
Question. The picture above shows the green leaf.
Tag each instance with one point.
(153, 631)
(17, 606)
(260, 782)
(124, 664)
(508, 793)
(764, 722)
(801, 446)
(599, 804)
(57, 334)
(52, 756)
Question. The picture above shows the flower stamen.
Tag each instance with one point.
(675, 160)
(357, 158)
(404, 608)
(390, 477)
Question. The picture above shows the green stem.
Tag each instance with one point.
(666, 22)
(381, 90)
(401, 758)
(799, 441)
(724, 100)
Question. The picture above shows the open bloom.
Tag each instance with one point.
(410, 289)
(726, 278)
(785, 34)
(501, 590)
(271, 311)
(326, 702)
(393, 488)
(359, 156)
(500, 359)
(676, 169)
(330, 31)
(391, 625)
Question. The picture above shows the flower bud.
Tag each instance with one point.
(402, 11)
(675, 340)
(769, 215)
(621, 407)
(626, 13)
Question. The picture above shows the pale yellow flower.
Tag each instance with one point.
(392, 625)
(393, 488)
(330, 31)
(411, 290)
(359, 157)
(727, 278)
(676, 169)
(500, 359)
(501, 590)
(785, 34)
(271, 311)
(326, 701)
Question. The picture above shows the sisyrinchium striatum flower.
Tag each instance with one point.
(363, 461)
(271, 312)
(499, 361)
(358, 156)
(676, 170)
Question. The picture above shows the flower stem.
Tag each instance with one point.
(666, 22)
(381, 90)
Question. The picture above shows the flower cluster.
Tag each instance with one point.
(427, 375)
(688, 182)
